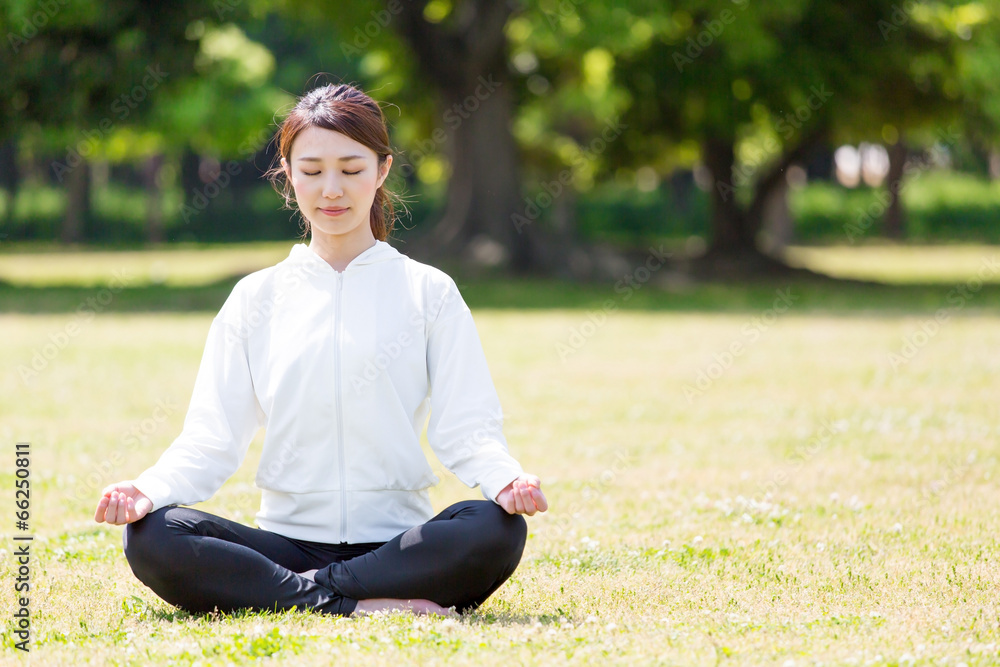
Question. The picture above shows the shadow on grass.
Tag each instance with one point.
(160, 611)
(831, 295)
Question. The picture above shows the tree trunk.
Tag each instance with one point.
(733, 252)
(730, 232)
(10, 177)
(777, 219)
(77, 204)
(467, 62)
(894, 222)
(483, 191)
(154, 198)
(561, 250)
(681, 185)
(190, 180)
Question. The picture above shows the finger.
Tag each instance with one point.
(522, 505)
(515, 499)
(142, 508)
(524, 495)
(129, 510)
(120, 516)
(539, 499)
(529, 501)
(112, 510)
(102, 508)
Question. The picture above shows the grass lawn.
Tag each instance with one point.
(729, 484)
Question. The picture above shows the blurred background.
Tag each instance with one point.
(541, 136)
(735, 265)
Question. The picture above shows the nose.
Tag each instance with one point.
(331, 187)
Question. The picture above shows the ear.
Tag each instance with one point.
(284, 165)
(384, 171)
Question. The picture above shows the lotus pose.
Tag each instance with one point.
(341, 351)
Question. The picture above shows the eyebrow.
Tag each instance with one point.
(346, 158)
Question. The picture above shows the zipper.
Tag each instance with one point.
(340, 411)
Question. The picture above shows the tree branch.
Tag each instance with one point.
(768, 182)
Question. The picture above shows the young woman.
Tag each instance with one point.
(340, 351)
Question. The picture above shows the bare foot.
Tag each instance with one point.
(309, 574)
(417, 607)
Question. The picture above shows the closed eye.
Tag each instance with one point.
(316, 173)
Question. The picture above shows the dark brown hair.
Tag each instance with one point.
(346, 109)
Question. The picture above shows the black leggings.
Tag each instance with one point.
(201, 562)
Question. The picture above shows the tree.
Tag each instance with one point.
(758, 86)
(89, 77)
(462, 53)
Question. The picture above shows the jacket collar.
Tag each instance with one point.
(301, 254)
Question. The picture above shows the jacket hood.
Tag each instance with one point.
(301, 253)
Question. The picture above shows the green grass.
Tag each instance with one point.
(823, 496)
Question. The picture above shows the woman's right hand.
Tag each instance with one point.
(122, 503)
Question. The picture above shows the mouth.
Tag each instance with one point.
(333, 211)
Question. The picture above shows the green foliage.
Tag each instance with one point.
(668, 75)
(73, 66)
(627, 217)
(941, 206)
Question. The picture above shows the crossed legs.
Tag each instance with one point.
(200, 562)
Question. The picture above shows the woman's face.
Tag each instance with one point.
(335, 179)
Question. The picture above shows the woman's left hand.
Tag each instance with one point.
(523, 496)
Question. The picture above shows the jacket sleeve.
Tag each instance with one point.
(220, 423)
(466, 421)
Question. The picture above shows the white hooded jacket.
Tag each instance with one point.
(342, 369)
